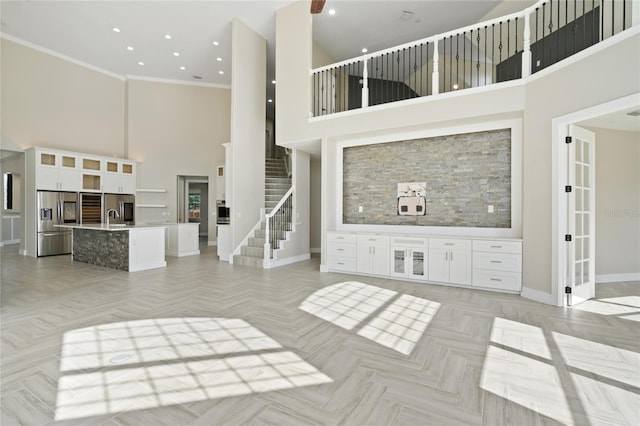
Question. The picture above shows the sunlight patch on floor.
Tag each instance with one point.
(401, 325)
(172, 361)
(346, 304)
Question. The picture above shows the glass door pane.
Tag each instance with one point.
(417, 263)
(398, 261)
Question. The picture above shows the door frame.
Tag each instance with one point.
(560, 130)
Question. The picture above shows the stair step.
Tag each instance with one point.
(248, 251)
(247, 261)
(256, 242)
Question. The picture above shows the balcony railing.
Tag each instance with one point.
(507, 48)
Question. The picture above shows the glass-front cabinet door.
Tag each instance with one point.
(399, 261)
(418, 264)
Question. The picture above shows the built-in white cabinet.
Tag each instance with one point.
(409, 257)
(91, 168)
(182, 239)
(372, 254)
(341, 252)
(497, 264)
(450, 260)
(57, 171)
(119, 176)
(482, 263)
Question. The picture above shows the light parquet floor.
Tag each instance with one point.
(205, 342)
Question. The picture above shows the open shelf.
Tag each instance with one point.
(153, 206)
(150, 190)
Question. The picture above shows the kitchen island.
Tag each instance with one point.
(129, 248)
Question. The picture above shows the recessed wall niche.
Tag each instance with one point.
(465, 175)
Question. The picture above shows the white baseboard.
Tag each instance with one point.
(324, 268)
(289, 260)
(314, 250)
(212, 242)
(617, 278)
(537, 295)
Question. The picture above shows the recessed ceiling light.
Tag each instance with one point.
(116, 29)
(219, 59)
(176, 54)
(270, 100)
(140, 63)
(167, 36)
(332, 11)
(220, 72)
(182, 68)
(129, 47)
(215, 43)
(273, 82)
(364, 50)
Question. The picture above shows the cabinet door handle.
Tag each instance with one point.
(452, 256)
(496, 261)
(340, 249)
(495, 279)
(496, 246)
(340, 263)
(446, 255)
(449, 244)
(374, 250)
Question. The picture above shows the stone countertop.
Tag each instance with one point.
(112, 227)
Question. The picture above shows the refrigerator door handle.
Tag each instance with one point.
(59, 208)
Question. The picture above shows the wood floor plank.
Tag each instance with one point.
(205, 342)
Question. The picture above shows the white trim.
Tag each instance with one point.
(171, 81)
(538, 296)
(315, 250)
(212, 242)
(324, 268)
(61, 56)
(274, 263)
(9, 242)
(560, 129)
(516, 181)
(617, 278)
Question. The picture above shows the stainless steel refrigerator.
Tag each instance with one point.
(55, 208)
(124, 205)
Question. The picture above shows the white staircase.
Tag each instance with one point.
(277, 184)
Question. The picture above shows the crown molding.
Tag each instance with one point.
(171, 81)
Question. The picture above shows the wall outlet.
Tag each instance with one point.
(490, 209)
(360, 209)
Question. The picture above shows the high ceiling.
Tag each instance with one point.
(84, 31)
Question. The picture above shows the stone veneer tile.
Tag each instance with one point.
(102, 248)
(464, 174)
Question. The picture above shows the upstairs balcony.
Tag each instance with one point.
(508, 48)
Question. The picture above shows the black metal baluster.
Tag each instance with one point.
(544, 61)
(516, 49)
(485, 55)
(478, 65)
(398, 82)
(624, 15)
(427, 65)
(493, 52)
(457, 61)
(471, 59)
(566, 36)
(613, 14)
(464, 58)
(602, 19)
(508, 38)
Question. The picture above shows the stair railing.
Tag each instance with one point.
(278, 222)
(510, 47)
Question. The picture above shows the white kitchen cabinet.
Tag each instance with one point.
(57, 171)
(92, 171)
(372, 254)
(497, 264)
(450, 260)
(409, 257)
(182, 239)
(119, 176)
(341, 252)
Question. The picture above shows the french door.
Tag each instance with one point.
(581, 214)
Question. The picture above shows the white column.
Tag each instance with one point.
(526, 53)
(635, 13)
(436, 74)
(365, 84)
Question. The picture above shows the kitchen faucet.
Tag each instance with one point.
(109, 214)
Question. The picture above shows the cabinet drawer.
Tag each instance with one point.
(372, 239)
(497, 262)
(440, 243)
(338, 263)
(410, 242)
(497, 279)
(340, 238)
(497, 246)
(339, 249)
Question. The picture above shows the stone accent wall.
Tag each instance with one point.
(464, 173)
(102, 248)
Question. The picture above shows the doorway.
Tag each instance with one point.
(574, 209)
(193, 203)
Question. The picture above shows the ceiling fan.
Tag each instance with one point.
(317, 5)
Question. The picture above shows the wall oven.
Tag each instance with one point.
(224, 217)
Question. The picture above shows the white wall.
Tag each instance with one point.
(571, 86)
(50, 102)
(175, 129)
(248, 106)
(617, 204)
(315, 190)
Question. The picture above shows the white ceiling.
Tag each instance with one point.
(83, 30)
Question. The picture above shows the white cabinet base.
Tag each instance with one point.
(182, 239)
